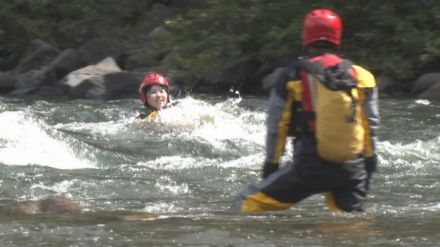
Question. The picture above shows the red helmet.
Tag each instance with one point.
(152, 79)
(322, 24)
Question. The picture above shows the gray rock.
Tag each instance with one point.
(7, 82)
(122, 84)
(66, 62)
(75, 78)
(104, 80)
(95, 50)
(425, 82)
(49, 91)
(237, 76)
(432, 93)
(38, 54)
(31, 81)
(50, 205)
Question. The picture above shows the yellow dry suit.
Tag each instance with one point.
(333, 128)
(148, 114)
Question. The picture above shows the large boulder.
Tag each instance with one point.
(238, 77)
(48, 90)
(38, 54)
(122, 84)
(46, 76)
(7, 63)
(432, 93)
(242, 77)
(104, 80)
(7, 82)
(53, 204)
(32, 80)
(425, 82)
(66, 62)
(75, 78)
(95, 50)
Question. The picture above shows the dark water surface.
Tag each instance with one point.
(186, 170)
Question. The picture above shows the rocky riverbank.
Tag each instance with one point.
(99, 70)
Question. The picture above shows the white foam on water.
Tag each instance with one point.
(433, 207)
(410, 209)
(23, 141)
(162, 207)
(190, 119)
(63, 187)
(414, 154)
(253, 161)
(167, 185)
(176, 162)
(171, 163)
(422, 102)
(223, 126)
(108, 128)
(225, 121)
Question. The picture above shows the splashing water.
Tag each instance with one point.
(189, 165)
(25, 142)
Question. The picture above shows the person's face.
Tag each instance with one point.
(157, 97)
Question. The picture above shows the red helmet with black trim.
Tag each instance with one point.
(152, 79)
(322, 24)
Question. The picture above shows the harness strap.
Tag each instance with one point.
(339, 76)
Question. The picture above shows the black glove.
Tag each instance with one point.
(269, 168)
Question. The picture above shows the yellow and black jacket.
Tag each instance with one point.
(148, 114)
(344, 183)
(288, 114)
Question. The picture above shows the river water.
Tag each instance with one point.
(186, 169)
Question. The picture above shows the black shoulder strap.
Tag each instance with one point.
(334, 78)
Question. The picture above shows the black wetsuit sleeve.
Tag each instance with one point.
(278, 103)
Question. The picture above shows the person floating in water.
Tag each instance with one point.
(154, 93)
(330, 107)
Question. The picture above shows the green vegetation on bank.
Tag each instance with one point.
(393, 37)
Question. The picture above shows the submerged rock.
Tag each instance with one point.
(53, 204)
(64, 205)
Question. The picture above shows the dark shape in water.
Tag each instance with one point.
(64, 205)
(53, 204)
